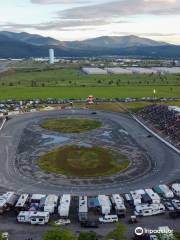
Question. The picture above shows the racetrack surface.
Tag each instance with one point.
(166, 163)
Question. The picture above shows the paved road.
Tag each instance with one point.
(166, 161)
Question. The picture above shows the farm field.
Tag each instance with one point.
(71, 83)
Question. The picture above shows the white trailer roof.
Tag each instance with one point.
(2, 201)
(118, 200)
(64, 205)
(153, 195)
(105, 203)
(83, 206)
(51, 200)
(90, 70)
(37, 196)
(22, 200)
(176, 186)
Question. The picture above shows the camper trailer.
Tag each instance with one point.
(137, 196)
(149, 209)
(118, 204)
(176, 189)
(154, 196)
(22, 203)
(167, 193)
(51, 203)
(105, 204)
(34, 218)
(64, 206)
(83, 208)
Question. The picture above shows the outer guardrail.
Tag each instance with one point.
(156, 135)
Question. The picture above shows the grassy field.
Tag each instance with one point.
(83, 161)
(71, 125)
(82, 92)
(71, 83)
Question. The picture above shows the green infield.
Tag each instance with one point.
(83, 161)
(71, 125)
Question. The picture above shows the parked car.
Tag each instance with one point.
(62, 222)
(108, 219)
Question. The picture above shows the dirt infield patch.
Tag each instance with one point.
(71, 125)
(83, 161)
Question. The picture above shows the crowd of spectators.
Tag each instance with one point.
(163, 119)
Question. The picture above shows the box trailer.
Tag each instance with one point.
(34, 218)
(51, 203)
(176, 189)
(149, 209)
(118, 204)
(22, 203)
(64, 206)
(167, 193)
(153, 195)
(105, 204)
(137, 196)
(83, 208)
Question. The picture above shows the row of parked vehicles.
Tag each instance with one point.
(38, 208)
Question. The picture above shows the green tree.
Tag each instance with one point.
(87, 236)
(59, 235)
(119, 233)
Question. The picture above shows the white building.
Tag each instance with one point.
(51, 56)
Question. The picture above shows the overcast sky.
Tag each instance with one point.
(82, 19)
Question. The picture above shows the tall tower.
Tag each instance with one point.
(51, 56)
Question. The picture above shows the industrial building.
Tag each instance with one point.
(94, 71)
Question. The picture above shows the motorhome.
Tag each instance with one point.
(129, 199)
(83, 208)
(118, 204)
(154, 196)
(22, 203)
(64, 206)
(51, 203)
(105, 204)
(149, 209)
(34, 218)
(167, 193)
(176, 189)
(176, 204)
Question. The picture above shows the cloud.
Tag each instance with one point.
(58, 1)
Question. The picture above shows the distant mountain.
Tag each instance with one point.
(120, 42)
(33, 39)
(24, 45)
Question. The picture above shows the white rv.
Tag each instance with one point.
(83, 208)
(137, 196)
(64, 206)
(51, 203)
(34, 218)
(167, 193)
(154, 196)
(22, 203)
(118, 203)
(149, 209)
(105, 204)
(176, 189)
(7, 201)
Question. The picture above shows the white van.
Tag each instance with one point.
(108, 219)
